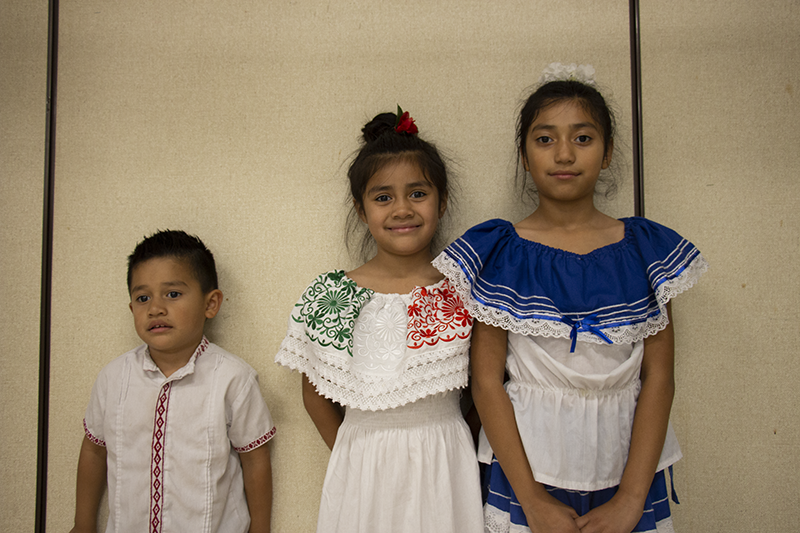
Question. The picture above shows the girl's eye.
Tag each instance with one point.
(544, 139)
(142, 299)
(383, 198)
(583, 138)
(173, 294)
(418, 194)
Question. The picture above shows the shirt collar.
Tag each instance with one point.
(150, 366)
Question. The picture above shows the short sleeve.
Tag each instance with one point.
(250, 420)
(94, 419)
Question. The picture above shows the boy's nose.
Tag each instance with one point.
(156, 308)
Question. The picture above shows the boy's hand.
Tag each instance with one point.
(257, 473)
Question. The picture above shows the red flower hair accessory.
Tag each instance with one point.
(404, 123)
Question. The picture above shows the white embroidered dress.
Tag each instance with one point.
(403, 459)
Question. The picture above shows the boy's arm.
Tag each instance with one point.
(90, 486)
(326, 415)
(257, 474)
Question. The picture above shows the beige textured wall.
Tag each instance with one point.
(23, 94)
(721, 83)
(234, 121)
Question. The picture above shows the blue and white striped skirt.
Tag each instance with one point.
(503, 513)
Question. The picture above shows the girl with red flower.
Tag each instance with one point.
(382, 372)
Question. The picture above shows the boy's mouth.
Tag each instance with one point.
(158, 327)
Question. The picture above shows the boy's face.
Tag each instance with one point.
(169, 307)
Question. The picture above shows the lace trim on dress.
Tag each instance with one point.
(555, 327)
(498, 521)
(425, 374)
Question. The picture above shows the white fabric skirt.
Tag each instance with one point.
(406, 470)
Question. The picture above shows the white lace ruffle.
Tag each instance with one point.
(425, 374)
(498, 521)
(627, 334)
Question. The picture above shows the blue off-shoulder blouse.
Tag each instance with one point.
(614, 294)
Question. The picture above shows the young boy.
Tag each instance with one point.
(177, 426)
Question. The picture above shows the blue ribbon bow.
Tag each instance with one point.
(588, 323)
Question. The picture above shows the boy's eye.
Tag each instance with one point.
(142, 299)
(173, 294)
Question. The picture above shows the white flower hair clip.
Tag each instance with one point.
(572, 72)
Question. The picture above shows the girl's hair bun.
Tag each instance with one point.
(378, 126)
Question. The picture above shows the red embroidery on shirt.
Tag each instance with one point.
(91, 437)
(158, 448)
(157, 459)
(436, 315)
(256, 443)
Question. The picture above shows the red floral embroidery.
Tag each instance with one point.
(436, 315)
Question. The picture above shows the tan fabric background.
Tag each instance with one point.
(23, 97)
(235, 121)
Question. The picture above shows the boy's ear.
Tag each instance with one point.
(130, 306)
(607, 158)
(213, 303)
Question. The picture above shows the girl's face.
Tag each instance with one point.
(402, 209)
(564, 152)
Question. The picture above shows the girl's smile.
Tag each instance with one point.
(402, 209)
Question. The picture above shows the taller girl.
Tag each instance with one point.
(389, 342)
(574, 306)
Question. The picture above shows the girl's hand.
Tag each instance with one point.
(618, 515)
(551, 516)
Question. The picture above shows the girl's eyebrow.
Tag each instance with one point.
(416, 184)
(576, 126)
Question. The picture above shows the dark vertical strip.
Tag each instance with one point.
(636, 102)
(47, 269)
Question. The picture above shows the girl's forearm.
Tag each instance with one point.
(652, 415)
(499, 423)
(488, 358)
(326, 415)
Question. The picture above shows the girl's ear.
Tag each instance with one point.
(442, 205)
(524, 159)
(213, 303)
(609, 153)
(360, 211)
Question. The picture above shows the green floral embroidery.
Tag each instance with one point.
(329, 308)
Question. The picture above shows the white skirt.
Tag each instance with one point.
(406, 470)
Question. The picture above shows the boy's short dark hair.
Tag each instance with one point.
(182, 246)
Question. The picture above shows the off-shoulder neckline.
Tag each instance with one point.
(558, 251)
